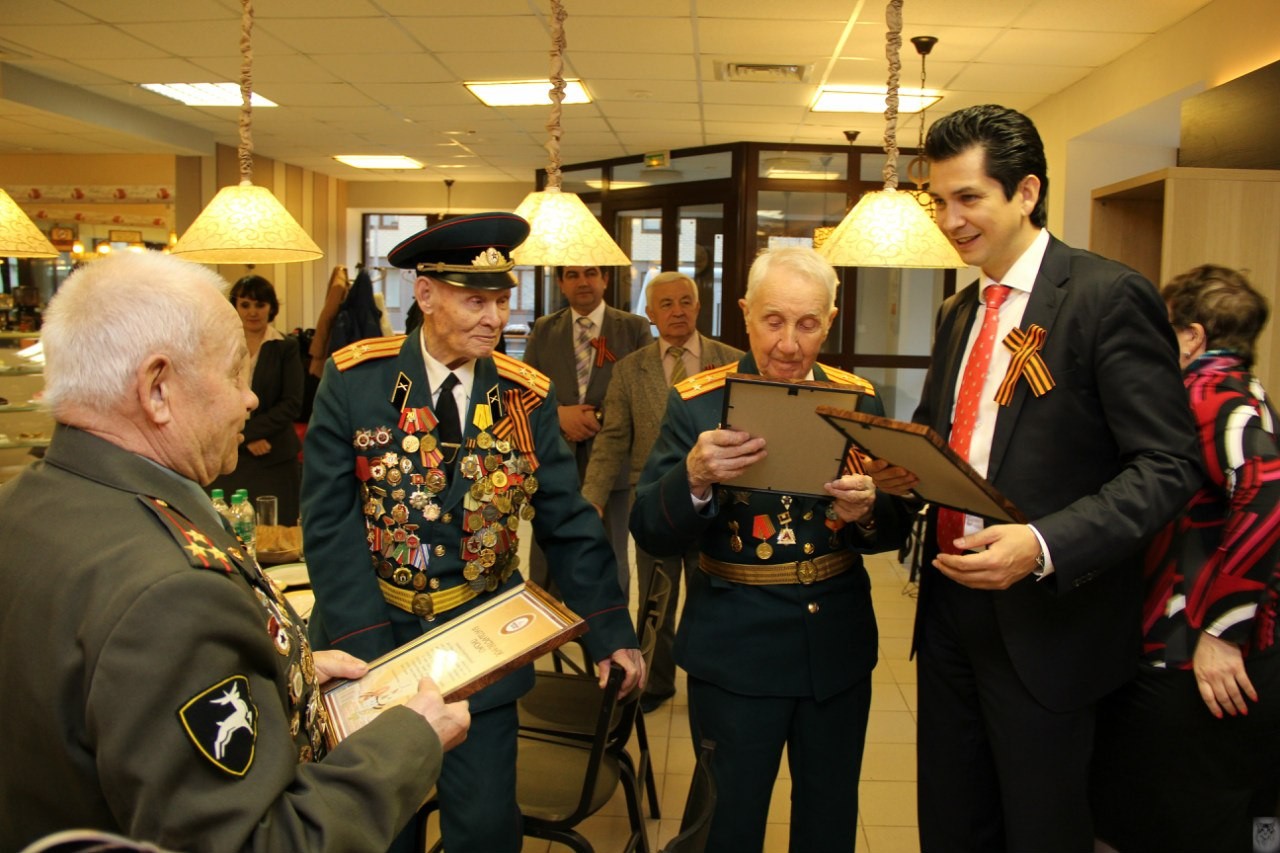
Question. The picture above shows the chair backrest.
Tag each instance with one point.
(699, 807)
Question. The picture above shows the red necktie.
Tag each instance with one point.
(950, 521)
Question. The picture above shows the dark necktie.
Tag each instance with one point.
(447, 414)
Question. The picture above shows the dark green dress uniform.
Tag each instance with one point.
(157, 686)
(398, 540)
(782, 653)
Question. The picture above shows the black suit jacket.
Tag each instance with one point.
(277, 381)
(1099, 464)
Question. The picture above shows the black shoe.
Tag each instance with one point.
(651, 702)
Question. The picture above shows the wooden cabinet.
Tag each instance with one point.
(1166, 222)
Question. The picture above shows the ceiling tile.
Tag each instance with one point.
(442, 34)
(1131, 16)
(1029, 78)
(641, 66)
(125, 11)
(339, 35)
(749, 41)
(1048, 47)
(80, 40)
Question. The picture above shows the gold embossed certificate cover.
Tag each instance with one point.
(461, 656)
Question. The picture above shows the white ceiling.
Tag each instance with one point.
(384, 76)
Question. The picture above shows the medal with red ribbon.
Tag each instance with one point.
(1025, 361)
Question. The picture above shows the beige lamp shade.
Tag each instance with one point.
(245, 225)
(564, 233)
(19, 236)
(889, 228)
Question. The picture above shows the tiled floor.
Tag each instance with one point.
(887, 819)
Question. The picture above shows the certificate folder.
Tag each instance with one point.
(945, 478)
(462, 656)
(803, 452)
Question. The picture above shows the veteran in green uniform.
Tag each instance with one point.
(777, 634)
(156, 684)
(423, 455)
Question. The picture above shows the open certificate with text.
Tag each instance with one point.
(462, 656)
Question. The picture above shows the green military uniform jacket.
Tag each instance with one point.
(779, 640)
(157, 686)
(373, 507)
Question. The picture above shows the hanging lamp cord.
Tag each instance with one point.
(245, 154)
(893, 45)
(558, 44)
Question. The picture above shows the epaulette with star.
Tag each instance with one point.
(844, 377)
(199, 549)
(522, 374)
(707, 380)
(367, 350)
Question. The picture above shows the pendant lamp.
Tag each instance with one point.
(562, 231)
(246, 224)
(888, 227)
(19, 236)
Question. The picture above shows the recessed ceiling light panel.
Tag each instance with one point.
(859, 99)
(378, 161)
(207, 94)
(526, 93)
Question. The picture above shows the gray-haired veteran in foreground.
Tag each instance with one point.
(777, 636)
(156, 684)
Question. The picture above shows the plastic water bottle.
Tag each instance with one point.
(220, 503)
(244, 520)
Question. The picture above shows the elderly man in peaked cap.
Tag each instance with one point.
(397, 541)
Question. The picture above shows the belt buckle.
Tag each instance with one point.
(424, 607)
(806, 572)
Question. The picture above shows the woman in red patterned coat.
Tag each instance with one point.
(1188, 754)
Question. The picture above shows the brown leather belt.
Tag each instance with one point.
(802, 572)
(427, 605)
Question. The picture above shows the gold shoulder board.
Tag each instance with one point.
(367, 350)
(522, 374)
(844, 377)
(707, 380)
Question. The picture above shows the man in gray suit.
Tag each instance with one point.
(636, 402)
(577, 347)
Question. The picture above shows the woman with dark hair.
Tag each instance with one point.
(1188, 754)
(268, 461)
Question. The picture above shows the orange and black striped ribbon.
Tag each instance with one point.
(853, 461)
(1026, 361)
(519, 403)
(602, 351)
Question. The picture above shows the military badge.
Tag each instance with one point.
(222, 723)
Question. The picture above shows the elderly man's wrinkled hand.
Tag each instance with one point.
(853, 497)
(449, 719)
(721, 455)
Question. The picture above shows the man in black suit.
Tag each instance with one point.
(1021, 628)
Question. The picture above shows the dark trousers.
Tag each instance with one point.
(1168, 776)
(477, 790)
(824, 752)
(997, 770)
(662, 673)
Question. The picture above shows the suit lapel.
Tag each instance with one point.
(1042, 310)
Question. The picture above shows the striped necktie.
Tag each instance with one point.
(678, 372)
(582, 354)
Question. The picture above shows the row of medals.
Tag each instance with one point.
(786, 534)
(304, 692)
(498, 498)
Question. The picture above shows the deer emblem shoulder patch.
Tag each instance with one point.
(222, 723)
